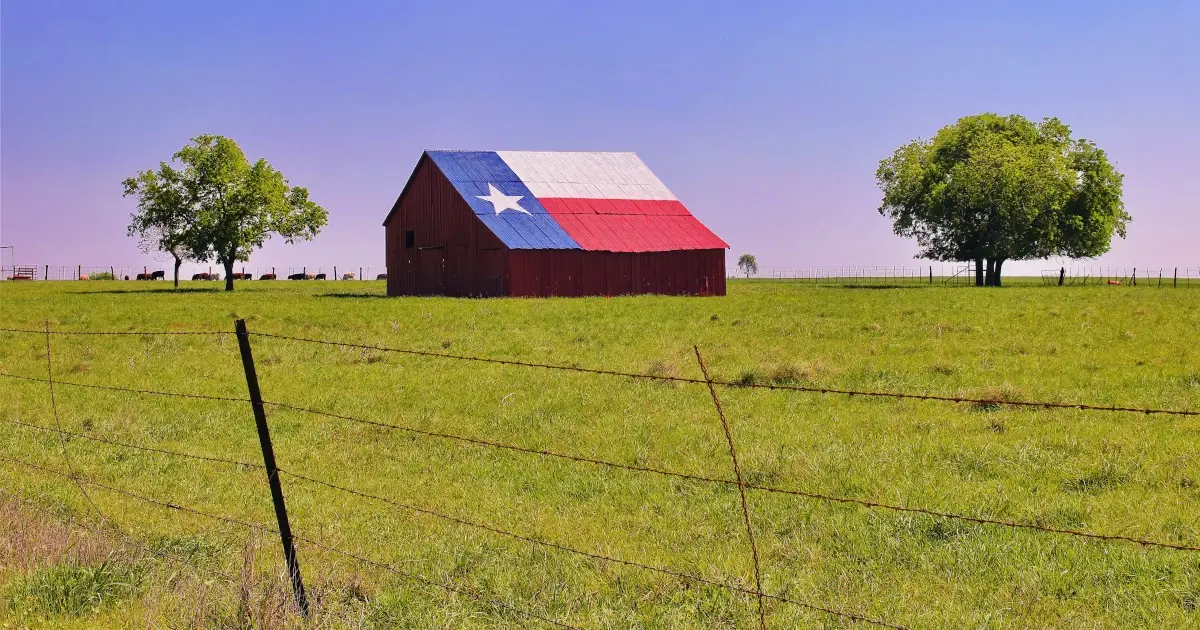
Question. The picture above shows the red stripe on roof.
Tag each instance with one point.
(631, 225)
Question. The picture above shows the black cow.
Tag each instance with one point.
(320, 276)
(382, 276)
(297, 276)
(158, 275)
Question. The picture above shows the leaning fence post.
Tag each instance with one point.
(264, 440)
(737, 471)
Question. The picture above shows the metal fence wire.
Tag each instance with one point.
(289, 539)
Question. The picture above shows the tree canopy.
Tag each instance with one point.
(164, 217)
(748, 264)
(994, 188)
(220, 206)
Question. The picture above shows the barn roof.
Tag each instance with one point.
(573, 200)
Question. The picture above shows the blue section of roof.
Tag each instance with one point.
(472, 172)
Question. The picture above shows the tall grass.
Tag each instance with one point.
(1116, 473)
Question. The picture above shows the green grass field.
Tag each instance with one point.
(1115, 473)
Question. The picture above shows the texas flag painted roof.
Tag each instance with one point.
(573, 200)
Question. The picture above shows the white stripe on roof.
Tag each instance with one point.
(590, 175)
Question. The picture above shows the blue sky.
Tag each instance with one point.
(766, 119)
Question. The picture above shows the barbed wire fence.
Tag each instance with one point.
(189, 271)
(964, 275)
(846, 275)
(288, 539)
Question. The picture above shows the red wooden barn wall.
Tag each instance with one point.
(454, 254)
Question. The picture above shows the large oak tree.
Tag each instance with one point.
(994, 188)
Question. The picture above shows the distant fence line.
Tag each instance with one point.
(964, 275)
(852, 275)
(186, 272)
(273, 473)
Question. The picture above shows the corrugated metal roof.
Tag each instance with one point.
(486, 183)
(573, 200)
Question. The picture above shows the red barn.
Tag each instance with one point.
(538, 223)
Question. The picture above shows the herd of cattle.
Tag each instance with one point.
(161, 275)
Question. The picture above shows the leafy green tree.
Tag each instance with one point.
(990, 189)
(747, 264)
(164, 216)
(230, 207)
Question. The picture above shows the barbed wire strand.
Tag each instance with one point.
(117, 534)
(657, 569)
(741, 485)
(263, 528)
(138, 447)
(115, 332)
(428, 582)
(139, 497)
(768, 386)
(62, 440)
(128, 390)
(793, 492)
(714, 480)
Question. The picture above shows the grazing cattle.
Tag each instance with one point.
(1116, 282)
(240, 276)
(348, 276)
(382, 276)
(143, 276)
(199, 276)
(84, 277)
(158, 275)
(320, 276)
(267, 276)
(297, 276)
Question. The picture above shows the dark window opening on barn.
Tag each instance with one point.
(410, 239)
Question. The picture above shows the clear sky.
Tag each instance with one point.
(766, 119)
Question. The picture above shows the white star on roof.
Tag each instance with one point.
(501, 202)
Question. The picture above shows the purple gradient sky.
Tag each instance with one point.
(766, 119)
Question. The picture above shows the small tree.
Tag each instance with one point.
(232, 207)
(164, 216)
(747, 264)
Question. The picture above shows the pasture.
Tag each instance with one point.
(1114, 473)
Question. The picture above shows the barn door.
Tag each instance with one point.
(491, 272)
(431, 266)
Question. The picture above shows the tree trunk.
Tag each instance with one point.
(996, 273)
(978, 272)
(178, 262)
(228, 274)
(989, 278)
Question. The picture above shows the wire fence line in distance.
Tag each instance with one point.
(733, 483)
(723, 383)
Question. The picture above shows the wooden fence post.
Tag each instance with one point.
(1175, 280)
(268, 451)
